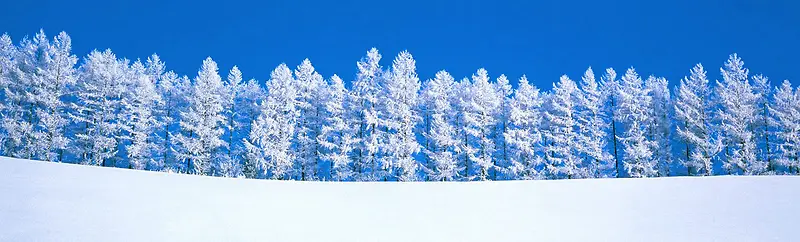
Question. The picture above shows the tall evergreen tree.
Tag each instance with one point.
(523, 133)
(400, 118)
(365, 93)
(10, 107)
(482, 103)
(7, 52)
(634, 104)
(174, 92)
(440, 133)
(786, 111)
(659, 126)
(55, 75)
(337, 135)
(736, 115)
(561, 158)
(309, 122)
(763, 125)
(504, 90)
(139, 119)
(693, 121)
(100, 89)
(591, 122)
(202, 122)
(610, 86)
(269, 145)
(461, 100)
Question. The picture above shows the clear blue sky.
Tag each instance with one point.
(538, 38)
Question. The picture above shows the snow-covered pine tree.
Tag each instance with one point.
(96, 113)
(764, 123)
(202, 122)
(309, 122)
(504, 90)
(400, 117)
(174, 92)
(55, 74)
(460, 98)
(364, 108)
(155, 70)
(786, 111)
(523, 134)
(227, 165)
(337, 135)
(737, 114)
(9, 102)
(249, 100)
(238, 98)
(139, 119)
(482, 102)
(634, 104)
(659, 125)
(610, 88)
(269, 144)
(693, 121)
(36, 77)
(591, 123)
(440, 135)
(561, 156)
(19, 120)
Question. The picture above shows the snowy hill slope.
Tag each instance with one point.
(43, 201)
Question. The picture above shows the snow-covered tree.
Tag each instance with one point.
(269, 144)
(786, 111)
(139, 119)
(19, 120)
(7, 52)
(610, 88)
(400, 118)
(693, 119)
(55, 74)
(251, 96)
(479, 104)
(461, 101)
(337, 135)
(174, 92)
(10, 99)
(504, 90)
(561, 156)
(634, 104)
(523, 135)
(202, 122)
(309, 123)
(99, 92)
(440, 134)
(231, 95)
(35, 78)
(240, 110)
(763, 125)
(364, 108)
(591, 123)
(737, 114)
(659, 125)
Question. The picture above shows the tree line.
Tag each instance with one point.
(388, 125)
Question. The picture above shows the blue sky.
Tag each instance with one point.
(540, 39)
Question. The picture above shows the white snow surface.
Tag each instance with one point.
(44, 201)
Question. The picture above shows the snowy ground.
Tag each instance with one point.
(60, 202)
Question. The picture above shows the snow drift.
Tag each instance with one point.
(44, 201)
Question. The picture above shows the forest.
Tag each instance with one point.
(386, 124)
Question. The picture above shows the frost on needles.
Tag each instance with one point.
(391, 125)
